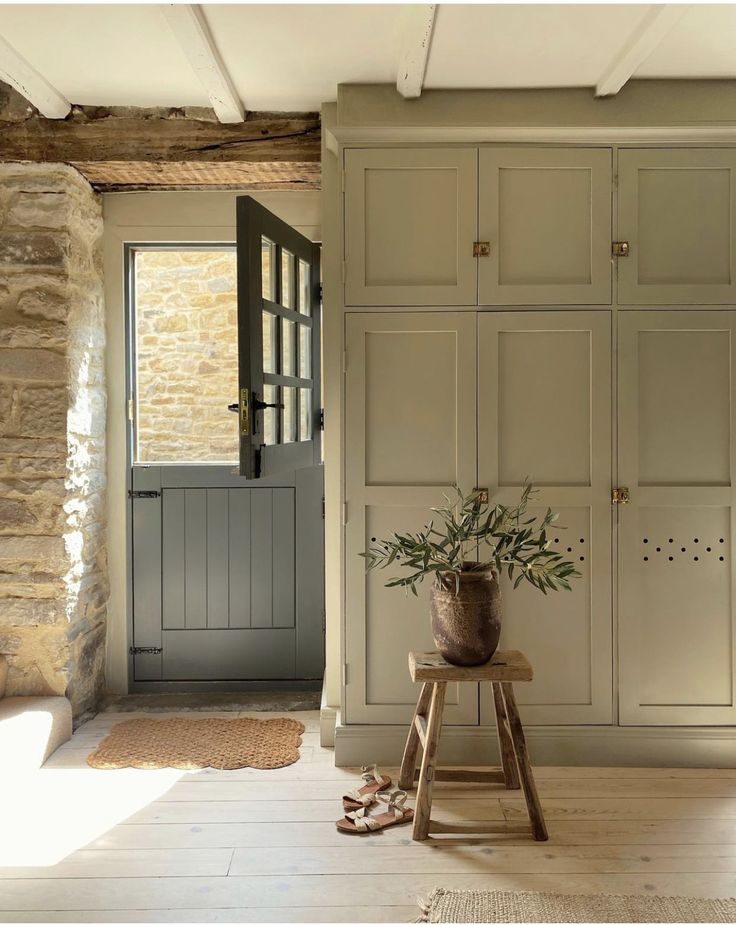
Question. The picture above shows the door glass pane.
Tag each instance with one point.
(288, 415)
(268, 269)
(305, 306)
(287, 279)
(269, 342)
(288, 347)
(186, 354)
(305, 351)
(305, 414)
(270, 418)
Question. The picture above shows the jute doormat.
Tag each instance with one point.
(190, 744)
(501, 906)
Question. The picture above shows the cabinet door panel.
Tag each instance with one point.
(410, 224)
(547, 215)
(544, 412)
(410, 435)
(677, 210)
(676, 442)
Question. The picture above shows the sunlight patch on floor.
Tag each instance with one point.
(49, 813)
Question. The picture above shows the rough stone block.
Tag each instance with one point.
(24, 249)
(43, 411)
(32, 365)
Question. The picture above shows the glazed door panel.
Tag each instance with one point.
(410, 224)
(410, 413)
(546, 213)
(677, 210)
(544, 413)
(676, 455)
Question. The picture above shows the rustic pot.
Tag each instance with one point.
(466, 625)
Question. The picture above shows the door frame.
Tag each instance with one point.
(198, 217)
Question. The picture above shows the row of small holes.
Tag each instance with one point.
(569, 548)
(683, 549)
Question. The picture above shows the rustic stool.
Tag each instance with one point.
(502, 670)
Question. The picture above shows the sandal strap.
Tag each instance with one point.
(395, 801)
(366, 799)
(371, 772)
(362, 822)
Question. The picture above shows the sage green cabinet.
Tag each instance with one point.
(546, 214)
(677, 211)
(410, 225)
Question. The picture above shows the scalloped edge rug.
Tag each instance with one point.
(486, 906)
(192, 744)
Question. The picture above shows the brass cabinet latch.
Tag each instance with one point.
(482, 495)
(620, 248)
(620, 496)
(244, 412)
(482, 249)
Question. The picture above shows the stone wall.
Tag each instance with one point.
(53, 575)
(186, 355)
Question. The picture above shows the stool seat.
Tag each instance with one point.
(503, 666)
(434, 672)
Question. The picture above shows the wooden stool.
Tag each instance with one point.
(502, 670)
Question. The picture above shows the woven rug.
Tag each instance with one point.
(500, 906)
(190, 744)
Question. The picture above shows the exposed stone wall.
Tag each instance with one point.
(53, 576)
(187, 355)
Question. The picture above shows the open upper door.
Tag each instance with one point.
(278, 344)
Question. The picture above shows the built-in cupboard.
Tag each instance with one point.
(493, 334)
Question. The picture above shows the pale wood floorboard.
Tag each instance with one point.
(261, 846)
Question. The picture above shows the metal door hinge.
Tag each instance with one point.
(620, 248)
(144, 494)
(324, 621)
(620, 496)
(131, 409)
(344, 513)
(323, 509)
(481, 248)
(321, 419)
(321, 290)
(145, 650)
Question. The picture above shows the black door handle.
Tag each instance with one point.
(260, 405)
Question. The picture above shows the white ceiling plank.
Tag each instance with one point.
(415, 50)
(16, 71)
(641, 43)
(188, 24)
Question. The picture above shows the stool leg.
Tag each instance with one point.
(534, 807)
(505, 745)
(426, 779)
(409, 761)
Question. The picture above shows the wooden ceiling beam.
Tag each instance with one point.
(16, 71)
(187, 22)
(415, 50)
(652, 29)
(141, 148)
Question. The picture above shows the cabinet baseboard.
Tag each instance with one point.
(592, 746)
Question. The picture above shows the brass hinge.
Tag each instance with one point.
(620, 496)
(481, 248)
(620, 248)
(145, 650)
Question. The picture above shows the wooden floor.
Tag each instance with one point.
(261, 846)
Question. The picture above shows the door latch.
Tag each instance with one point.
(143, 494)
(620, 248)
(620, 496)
(145, 650)
(481, 248)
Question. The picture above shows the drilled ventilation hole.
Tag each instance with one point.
(683, 549)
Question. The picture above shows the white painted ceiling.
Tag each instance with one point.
(292, 57)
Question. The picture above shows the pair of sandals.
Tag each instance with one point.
(357, 821)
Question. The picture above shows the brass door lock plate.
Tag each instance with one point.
(620, 248)
(620, 496)
(482, 249)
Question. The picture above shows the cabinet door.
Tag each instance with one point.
(410, 435)
(544, 413)
(677, 210)
(410, 225)
(546, 213)
(676, 455)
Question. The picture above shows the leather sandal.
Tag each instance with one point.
(360, 823)
(364, 796)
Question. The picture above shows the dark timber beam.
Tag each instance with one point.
(129, 148)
